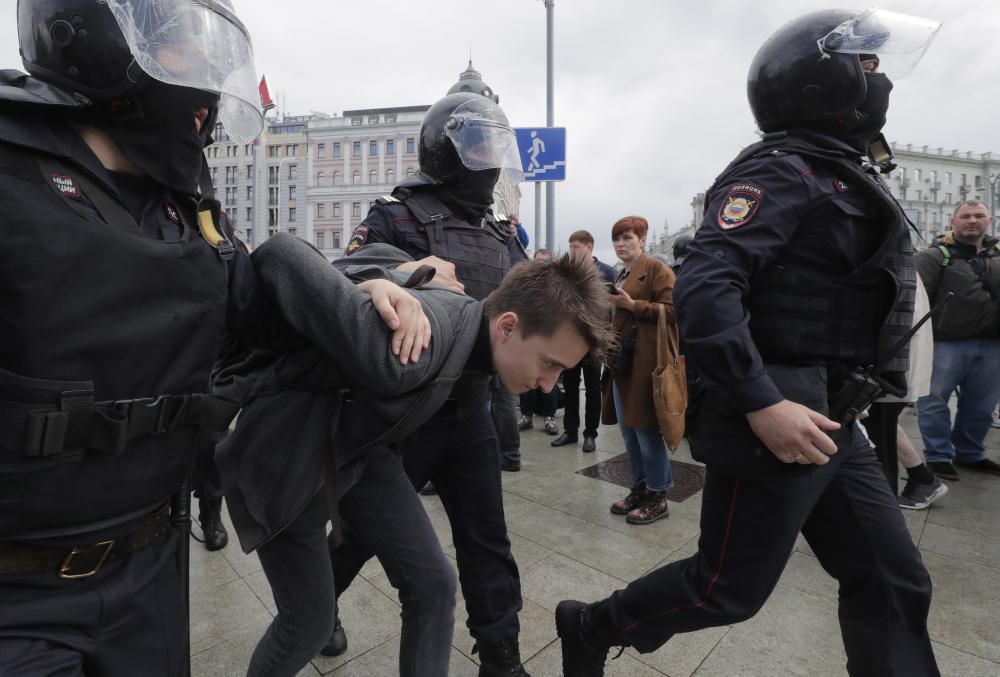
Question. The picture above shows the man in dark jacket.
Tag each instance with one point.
(966, 263)
(337, 409)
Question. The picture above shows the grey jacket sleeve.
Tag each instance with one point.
(323, 305)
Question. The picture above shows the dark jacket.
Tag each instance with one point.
(650, 284)
(971, 275)
(340, 397)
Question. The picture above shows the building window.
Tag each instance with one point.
(356, 121)
(319, 178)
(291, 193)
(272, 220)
(920, 194)
(249, 192)
(356, 209)
(947, 178)
(933, 176)
(336, 239)
(248, 149)
(336, 149)
(291, 213)
(293, 231)
(290, 151)
(321, 150)
(373, 177)
(947, 198)
(272, 197)
(373, 148)
(320, 210)
(356, 177)
(965, 181)
(978, 181)
(336, 210)
(409, 144)
(249, 218)
(250, 235)
(410, 172)
(916, 175)
(293, 172)
(274, 151)
(336, 179)
(357, 149)
(271, 232)
(390, 147)
(373, 119)
(249, 171)
(272, 174)
(390, 118)
(902, 193)
(390, 176)
(320, 240)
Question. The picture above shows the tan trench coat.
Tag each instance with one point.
(651, 285)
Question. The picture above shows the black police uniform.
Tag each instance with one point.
(457, 448)
(801, 267)
(113, 308)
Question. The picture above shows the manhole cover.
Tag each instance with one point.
(688, 479)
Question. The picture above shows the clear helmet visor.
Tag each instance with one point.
(199, 44)
(484, 139)
(897, 40)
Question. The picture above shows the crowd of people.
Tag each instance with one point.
(395, 368)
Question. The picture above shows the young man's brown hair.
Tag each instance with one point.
(583, 236)
(547, 294)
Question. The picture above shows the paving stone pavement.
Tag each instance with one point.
(567, 544)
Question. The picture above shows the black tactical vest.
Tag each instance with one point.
(798, 316)
(108, 340)
(480, 253)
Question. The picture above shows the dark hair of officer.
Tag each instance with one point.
(634, 224)
(547, 294)
(790, 85)
(582, 236)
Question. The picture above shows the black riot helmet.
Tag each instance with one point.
(809, 73)
(107, 50)
(681, 245)
(464, 133)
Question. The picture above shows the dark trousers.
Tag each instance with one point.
(881, 427)
(205, 479)
(591, 371)
(456, 450)
(385, 514)
(538, 401)
(127, 619)
(748, 530)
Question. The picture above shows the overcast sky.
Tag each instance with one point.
(652, 92)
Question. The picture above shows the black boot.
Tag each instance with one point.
(210, 518)
(583, 651)
(500, 659)
(338, 641)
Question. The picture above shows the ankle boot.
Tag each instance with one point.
(585, 641)
(337, 643)
(210, 518)
(500, 659)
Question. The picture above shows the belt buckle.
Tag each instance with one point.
(66, 570)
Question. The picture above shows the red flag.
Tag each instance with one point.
(265, 96)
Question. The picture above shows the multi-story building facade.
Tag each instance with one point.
(352, 160)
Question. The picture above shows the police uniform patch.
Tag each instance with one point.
(740, 204)
(66, 185)
(840, 186)
(172, 213)
(358, 238)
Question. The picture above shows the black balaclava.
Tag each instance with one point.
(157, 132)
(871, 113)
(471, 194)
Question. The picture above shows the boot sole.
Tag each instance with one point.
(565, 626)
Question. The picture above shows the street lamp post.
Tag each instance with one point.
(993, 178)
(550, 186)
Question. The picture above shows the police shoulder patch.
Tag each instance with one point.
(740, 205)
(358, 239)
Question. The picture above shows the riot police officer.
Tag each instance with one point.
(119, 277)
(680, 251)
(798, 286)
(444, 211)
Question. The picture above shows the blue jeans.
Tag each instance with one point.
(972, 366)
(647, 453)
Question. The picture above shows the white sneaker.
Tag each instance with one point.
(550, 426)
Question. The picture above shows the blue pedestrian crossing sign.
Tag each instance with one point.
(543, 152)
